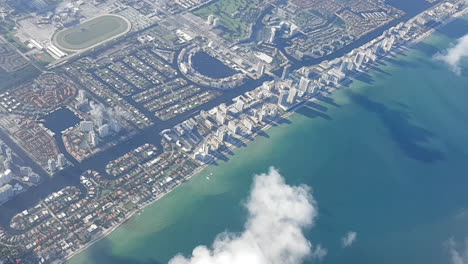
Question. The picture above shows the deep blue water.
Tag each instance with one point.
(210, 66)
(60, 120)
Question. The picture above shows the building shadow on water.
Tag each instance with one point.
(410, 138)
(328, 100)
(427, 49)
(379, 70)
(402, 63)
(309, 110)
(365, 78)
(101, 253)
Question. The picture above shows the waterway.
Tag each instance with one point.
(386, 158)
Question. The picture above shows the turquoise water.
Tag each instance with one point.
(386, 157)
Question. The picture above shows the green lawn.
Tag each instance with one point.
(91, 32)
(235, 16)
(13, 79)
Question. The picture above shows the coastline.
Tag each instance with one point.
(287, 114)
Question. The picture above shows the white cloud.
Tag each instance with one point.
(319, 253)
(348, 239)
(458, 256)
(277, 215)
(454, 55)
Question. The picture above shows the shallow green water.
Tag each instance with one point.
(387, 158)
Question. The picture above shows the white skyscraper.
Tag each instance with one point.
(81, 96)
(52, 165)
(359, 59)
(220, 117)
(6, 177)
(345, 65)
(86, 126)
(240, 105)
(210, 20)
(104, 130)
(221, 134)
(261, 68)
(273, 34)
(205, 149)
(115, 126)
(281, 97)
(304, 84)
(248, 124)
(314, 88)
(99, 121)
(286, 70)
(61, 160)
(233, 127)
(93, 139)
(9, 154)
(292, 96)
(387, 43)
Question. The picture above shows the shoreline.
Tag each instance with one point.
(368, 68)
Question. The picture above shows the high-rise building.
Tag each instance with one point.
(281, 97)
(314, 88)
(81, 96)
(240, 105)
(99, 121)
(93, 139)
(86, 126)
(304, 84)
(61, 160)
(115, 126)
(221, 134)
(9, 154)
(220, 117)
(387, 43)
(7, 164)
(345, 65)
(377, 49)
(273, 111)
(268, 85)
(261, 68)
(292, 96)
(223, 108)
(216, 22)
(205, 149)
(2, 148)
(104, 130)
(359, 59)
(261, 115)
(285, 73)
(233, 127)
(248, 124)
(204, 114)
(6, 177)
(25, 171)
(210, 19)
(52, 165)
(274, 30)
(293, 29)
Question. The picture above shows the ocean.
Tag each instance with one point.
(385, 158)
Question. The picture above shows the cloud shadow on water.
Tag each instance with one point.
(410, 138)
